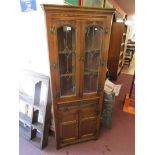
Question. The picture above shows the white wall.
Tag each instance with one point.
(32, 41)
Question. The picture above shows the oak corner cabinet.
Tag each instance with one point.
(78, 42)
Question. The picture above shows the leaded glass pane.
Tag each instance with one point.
(67, 59)
(93, 45)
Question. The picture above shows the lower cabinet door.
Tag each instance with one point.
(68, 125)
(88, 122)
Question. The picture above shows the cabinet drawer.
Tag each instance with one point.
(88, 108)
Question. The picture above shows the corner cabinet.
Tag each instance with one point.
(78, 42)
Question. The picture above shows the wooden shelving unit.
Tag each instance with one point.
(34, 122)
(117, 48)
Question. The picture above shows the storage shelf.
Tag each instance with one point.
(124, 34)
(36, 141)
(119, 69)
(39, 106)
(24, 118)
(24, 131)
(121, 53)
(120, 61)
(27, 99)
(122, 44)
(34, 121)
(38, 126)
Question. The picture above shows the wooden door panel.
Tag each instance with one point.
(68, 123)
(88, 115)
(68, 131)
(87, 127)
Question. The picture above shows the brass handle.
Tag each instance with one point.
(52, 29)
(106, 30)
(55, 65)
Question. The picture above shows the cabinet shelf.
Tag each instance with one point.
(88, 70)
(65, 75)
(94, 51)
(63, 52)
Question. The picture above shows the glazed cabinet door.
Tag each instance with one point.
(93, 59)
(68, 124)
(88, 118)
(66, 65)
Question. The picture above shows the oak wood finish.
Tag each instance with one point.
(117, 48)
(77, 117)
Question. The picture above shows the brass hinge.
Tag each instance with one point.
(106, 30)
(52, 29)
(103, 62)
(55, 65)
